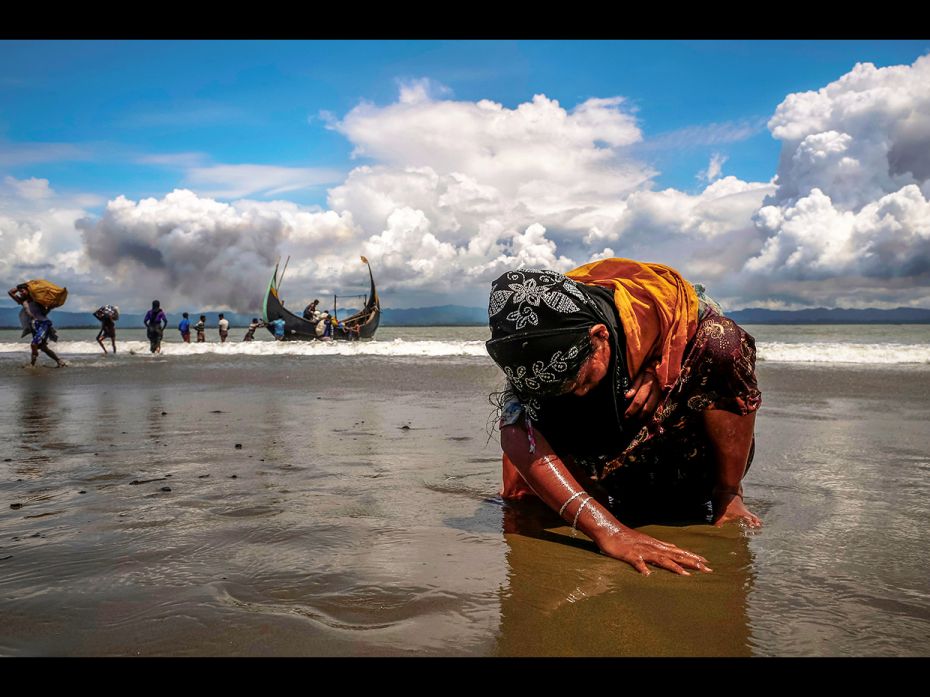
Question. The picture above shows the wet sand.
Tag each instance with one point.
(360, 517)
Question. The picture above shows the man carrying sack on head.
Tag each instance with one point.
(38, 298)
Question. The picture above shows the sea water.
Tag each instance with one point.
(866, 345)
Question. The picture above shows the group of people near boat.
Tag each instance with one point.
(156, 321)
(325, 323)
(34, 317)
(200, 327)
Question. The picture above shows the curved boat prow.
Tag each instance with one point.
(361, 325)
(272, 288)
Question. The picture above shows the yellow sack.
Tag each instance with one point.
(47, 294)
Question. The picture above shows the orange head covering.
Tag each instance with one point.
(657, 307)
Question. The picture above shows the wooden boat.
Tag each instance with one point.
(363, 324)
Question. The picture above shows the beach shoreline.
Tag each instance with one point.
(360, 517)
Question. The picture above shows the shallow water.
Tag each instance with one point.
(361, 517)
(871, 346)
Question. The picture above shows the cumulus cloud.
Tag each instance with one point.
(448, 194)
(38, 238)
(538, 156)
(184, 248)
(853, 185)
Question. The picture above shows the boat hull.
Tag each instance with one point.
(296, 328)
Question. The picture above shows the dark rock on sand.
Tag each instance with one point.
(14, 506)
(166, 488)
(238, 446)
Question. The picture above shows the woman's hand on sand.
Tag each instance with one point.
(730, 507)
(639, 551)
(645, 394)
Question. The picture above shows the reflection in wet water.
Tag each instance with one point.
(334, 530)
(562, 598)
(322, 533)
(39, 415)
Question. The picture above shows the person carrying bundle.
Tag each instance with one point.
(107, 315)
(37, 299)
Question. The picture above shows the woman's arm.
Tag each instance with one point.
(548, 476)
(19, 297)
(730, 437)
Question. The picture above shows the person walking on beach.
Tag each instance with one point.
(184, 326)
(255, 324)
(108, 314)
(223, 326)
(201, 329)
(628, 394)
(155, 322)
(40, 326)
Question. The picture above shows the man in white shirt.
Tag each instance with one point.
(223, 325)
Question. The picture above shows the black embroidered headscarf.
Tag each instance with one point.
(539, 329)
(540, 322)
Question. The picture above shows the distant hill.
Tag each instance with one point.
(9, 317)
(458, 315)
(443, 315)
(823, 315)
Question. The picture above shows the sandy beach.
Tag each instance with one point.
(347, 505)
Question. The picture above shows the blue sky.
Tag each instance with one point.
(278, 122)
(258, 102)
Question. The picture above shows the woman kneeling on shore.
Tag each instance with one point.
(627, 395)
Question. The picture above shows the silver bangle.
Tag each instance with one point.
(570, 499)
(578, 513)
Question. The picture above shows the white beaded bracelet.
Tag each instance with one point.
(570, 499)
(578, 513)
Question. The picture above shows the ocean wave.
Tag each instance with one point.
(843, 352)
(770, 352)
(397, 347)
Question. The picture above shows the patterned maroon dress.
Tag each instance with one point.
(668, 464)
